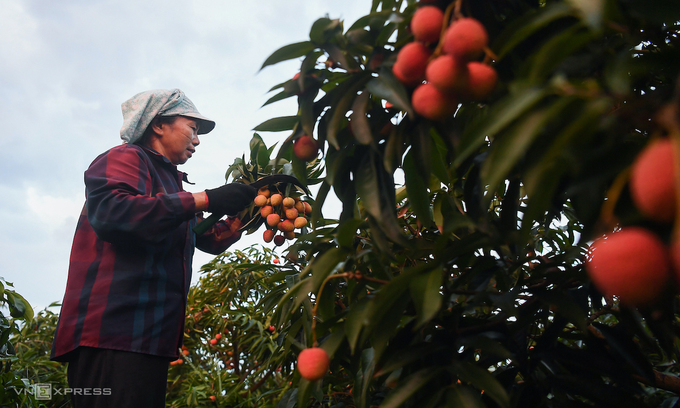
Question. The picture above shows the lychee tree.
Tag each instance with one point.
(455, 273)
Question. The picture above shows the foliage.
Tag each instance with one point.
(232, 303)
(454, 274)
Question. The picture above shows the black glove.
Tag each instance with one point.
(230, 198)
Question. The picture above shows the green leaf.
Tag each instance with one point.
(425, 291)
(388, 87)
(279, 124)
(416, 188)
(533, 21)
(361, 129)
(289, 52)
(556, 50)
(325, 264)
(413, 384)
(345, 94)
(483, 381)
(501, 115)
(324, 29)
(347, 232)
(355, 322)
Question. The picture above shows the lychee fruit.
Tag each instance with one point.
(481, 81)
(431, 103)
(465, 39)
(313, 363)
(652, 181)
(268, 235)
(426, 24)
(412, 59)
(447, 74)
(305, 148)
(631, 263)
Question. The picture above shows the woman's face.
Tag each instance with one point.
(177, 141)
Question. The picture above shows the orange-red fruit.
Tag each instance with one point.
(313, 363)
(185, 352)
(431, 103)
(675, 258)
(213, 341)
(482, 80)
(447, 74)
(266, 210)
(276, 199)
(300, 206)
(268, 235)
(409, 68)
(213, 398)
(652, 181)
(300, 222)
(276, 260)
(426, 24)
(273, 220)
(305, 148)
(632, 264)
(465, 39)
(218, 336)
(260, 200)
(288, 202)
(279, 240)
(308, 208)
(291, 213)
(289, 234)
(286, 226)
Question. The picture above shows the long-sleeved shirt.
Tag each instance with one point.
(130, 265)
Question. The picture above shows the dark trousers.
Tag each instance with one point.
(102, 378)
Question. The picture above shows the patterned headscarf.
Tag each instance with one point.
(139, 111)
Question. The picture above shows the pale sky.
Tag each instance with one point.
(67, 66)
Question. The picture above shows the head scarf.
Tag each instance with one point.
(139, 111)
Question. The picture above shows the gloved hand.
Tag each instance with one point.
(230, 198)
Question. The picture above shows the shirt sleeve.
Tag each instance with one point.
(121, 204)
(220, 236)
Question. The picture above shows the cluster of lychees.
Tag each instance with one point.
(634, 263)
(443, 65)
(282, 214)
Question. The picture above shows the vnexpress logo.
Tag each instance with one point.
(42, 392)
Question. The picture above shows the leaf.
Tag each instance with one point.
(345, 94)
(289, 52)
(425, 291)
(387, 87)
(360, 126)
(355, 322)
(324, 29)
(483, 381)
(416, 188)
(347, 232)
(324, 265)
(501, 115)
(278, 124)
(413, 384)
(522, 28)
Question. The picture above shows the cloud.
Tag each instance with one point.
(69, 64)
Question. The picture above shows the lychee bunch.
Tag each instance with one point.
(282, 214)
(446, 58)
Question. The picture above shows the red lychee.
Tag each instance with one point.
(431, 103)
(652, 181)
(412, 59)
(631, 263)
(313, 363)
(465, 39)
(481, 81)
(447, 74)
(305, 148)
(426, 24)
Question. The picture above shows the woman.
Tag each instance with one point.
(122, 318)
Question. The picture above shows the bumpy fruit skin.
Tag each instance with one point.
(313, 363)
(268, 235)
(465, 39)
(288, 202)
(286, 226)
(308, 208)
(412, 59)
(652, 181)
(291, 213)
(431, 103)
(426, 24)
(447, 74)
(260, 200)
(305, 148)
(266, 210)
(632, 264)
(482, 80)
(273, 220)
(276, 199)
(300, 222)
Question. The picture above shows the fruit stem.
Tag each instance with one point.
(451, 9)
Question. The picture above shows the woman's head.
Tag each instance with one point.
(145, 107)
(175, 137)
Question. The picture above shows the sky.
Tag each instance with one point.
(67, 65)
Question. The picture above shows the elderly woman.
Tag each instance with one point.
(122, 318)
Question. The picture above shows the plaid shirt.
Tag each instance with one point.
(130, 266)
